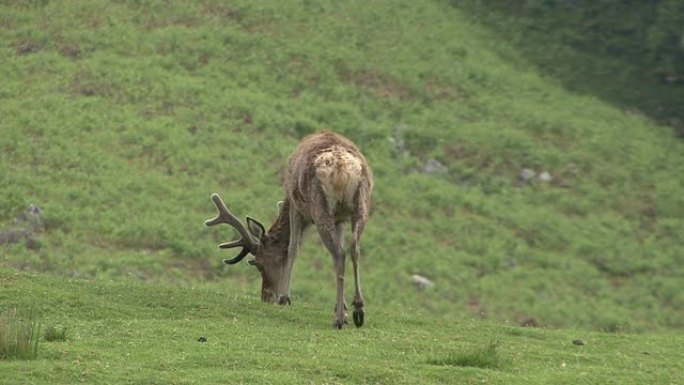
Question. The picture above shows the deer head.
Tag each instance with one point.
(270, 254)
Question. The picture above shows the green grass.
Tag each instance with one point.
(54, 333)
(622, 53)
(120, 118)
(126, 331)
(484, 358)
(19, 334)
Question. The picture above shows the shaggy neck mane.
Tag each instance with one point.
(279, 233)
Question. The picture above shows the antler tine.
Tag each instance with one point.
(246, 241)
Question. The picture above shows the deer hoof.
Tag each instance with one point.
(338, 324)
(284, 300)
(358, 317)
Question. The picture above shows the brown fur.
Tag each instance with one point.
(328, 182)
(319, 157)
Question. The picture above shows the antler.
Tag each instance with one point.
(248, 244)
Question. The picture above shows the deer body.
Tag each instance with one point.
(327, 183)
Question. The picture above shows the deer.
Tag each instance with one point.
(328, 183)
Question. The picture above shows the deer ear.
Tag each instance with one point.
(256, 228)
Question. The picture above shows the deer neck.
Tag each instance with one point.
(279, 232)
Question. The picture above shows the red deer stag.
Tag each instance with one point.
(327, 182)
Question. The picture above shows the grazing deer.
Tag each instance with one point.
(327, 182)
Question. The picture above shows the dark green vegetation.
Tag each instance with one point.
(120, 118)
(54, 333)
(484, 358)
(629, 52)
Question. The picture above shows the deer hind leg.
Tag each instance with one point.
(333, 244)
(339, 228)
(358, 224)
(328, 231)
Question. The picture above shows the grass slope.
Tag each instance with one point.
(127, 332)
(119, 118)
(613, 51)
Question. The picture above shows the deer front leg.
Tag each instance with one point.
(296, 228)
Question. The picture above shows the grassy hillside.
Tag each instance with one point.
(128, 332)
(628, 53)
(120, 118)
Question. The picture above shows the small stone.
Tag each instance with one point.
(433, 166)
(578, 342)
(202, 339)
(399, 145)
(526, 174)
(421, 282)
(545, 177)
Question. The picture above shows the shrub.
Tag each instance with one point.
(18, 335)
(485, 358)
(53, 333)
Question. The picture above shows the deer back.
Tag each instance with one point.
(330, 164)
